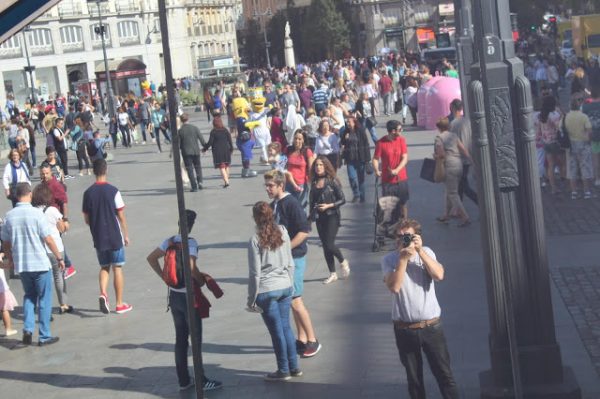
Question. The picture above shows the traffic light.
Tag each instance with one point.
(552, 25)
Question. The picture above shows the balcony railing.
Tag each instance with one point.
(96, 44)
(129, 41)
(14, 52)
(66, 10)
(72, 47)
(42, 50)
(127, 6)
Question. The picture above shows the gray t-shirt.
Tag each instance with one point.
(462, 128)
(416, 300)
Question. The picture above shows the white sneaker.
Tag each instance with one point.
(332, 277)
(345, 268)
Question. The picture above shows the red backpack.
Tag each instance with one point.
(172, 272)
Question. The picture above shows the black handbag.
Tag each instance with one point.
(563, 136)
(428, 170)
(371, 122)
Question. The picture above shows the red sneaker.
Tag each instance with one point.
(103, 300)
(123, 308)
(69, 272)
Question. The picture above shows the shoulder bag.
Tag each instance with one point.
(563, 135)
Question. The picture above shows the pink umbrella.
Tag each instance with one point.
(439, 96)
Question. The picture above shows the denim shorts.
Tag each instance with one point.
(299, 267)
(114, 257)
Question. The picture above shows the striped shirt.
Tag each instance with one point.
(26, 228)
(320, 96)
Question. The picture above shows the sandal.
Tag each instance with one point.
(442, 219)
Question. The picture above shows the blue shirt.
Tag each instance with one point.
(26, 228)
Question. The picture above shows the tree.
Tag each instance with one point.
(253, 45)
(326, 33)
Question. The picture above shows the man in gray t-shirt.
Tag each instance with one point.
(409, 273)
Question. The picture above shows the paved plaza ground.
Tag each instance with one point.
(130, 355)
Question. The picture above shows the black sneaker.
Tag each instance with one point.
(277, 376)
(312, 348)
(27, 338)
(49, 341)
(210, 385)
(300, 347)
(296, 372)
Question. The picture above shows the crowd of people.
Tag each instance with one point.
(320, 117)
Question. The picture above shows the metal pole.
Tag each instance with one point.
(266, 46)
(33, 99)
(111, 97)
(189, 289)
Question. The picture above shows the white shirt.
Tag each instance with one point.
(53, 215)
(193, 250)
(327, 145)
(123, 119)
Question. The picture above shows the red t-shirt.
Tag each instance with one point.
(389, 153)
(298, 167)
(385, 84)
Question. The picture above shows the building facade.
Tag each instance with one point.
(408, 25)
(65, 47)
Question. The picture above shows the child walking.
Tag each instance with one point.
(7, 301)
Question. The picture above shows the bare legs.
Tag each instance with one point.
(302, 321)
(118, 282)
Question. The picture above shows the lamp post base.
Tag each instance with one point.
(565, 389)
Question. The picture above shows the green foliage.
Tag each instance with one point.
(276, 31)
(326, 33)
(254, 47)
(189, 97)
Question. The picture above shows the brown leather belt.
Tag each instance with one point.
(416, 325)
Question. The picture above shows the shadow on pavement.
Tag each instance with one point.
(149, 192)
(207, 347)
(225, 245)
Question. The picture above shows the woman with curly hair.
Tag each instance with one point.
(270, 282)
(326, 198)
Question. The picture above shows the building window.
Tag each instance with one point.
(96, 37)
(12, 43)
(223, 48)
(71, 35)
(128, 29)
(40, 38)
(128, 32)
(229, 48)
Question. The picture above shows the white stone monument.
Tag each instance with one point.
(288, 44)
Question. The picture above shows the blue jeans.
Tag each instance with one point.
(38, 291)
(276, 315)
(356, 175)
(143, 127)
(178, 305)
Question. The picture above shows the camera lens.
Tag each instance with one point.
(406, 240)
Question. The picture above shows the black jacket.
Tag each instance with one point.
(355, 146)
(331, 193)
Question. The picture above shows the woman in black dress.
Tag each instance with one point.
(222, 147)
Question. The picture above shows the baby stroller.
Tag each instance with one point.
(387, 213)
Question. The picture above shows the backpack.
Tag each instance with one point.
(92, 150)
(172, 272)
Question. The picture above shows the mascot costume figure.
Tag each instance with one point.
(146, 92)
(245, 140)
(258, 124)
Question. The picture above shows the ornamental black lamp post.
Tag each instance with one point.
(101, 30)
(525, 357)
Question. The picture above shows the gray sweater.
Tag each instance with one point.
(269, 270)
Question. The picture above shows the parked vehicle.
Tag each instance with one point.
(586, 35)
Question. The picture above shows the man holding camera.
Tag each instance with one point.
(409, 273)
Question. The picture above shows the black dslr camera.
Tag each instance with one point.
(407, 239)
